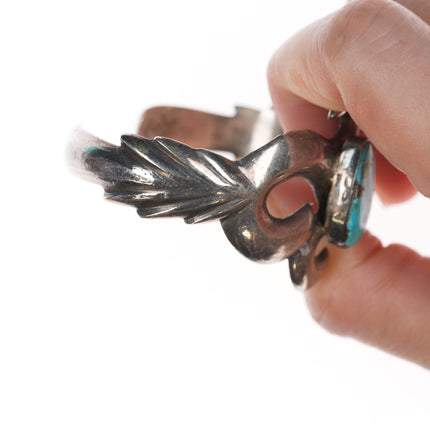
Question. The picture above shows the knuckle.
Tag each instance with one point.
(361, 38)
(354, 27)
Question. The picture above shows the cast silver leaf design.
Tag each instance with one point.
(162, 177)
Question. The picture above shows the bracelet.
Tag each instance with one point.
(163, 177)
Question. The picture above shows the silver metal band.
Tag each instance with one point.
(242, 133)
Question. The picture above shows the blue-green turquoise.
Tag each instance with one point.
(360, 206)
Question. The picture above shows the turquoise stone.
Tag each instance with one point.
(93, 150)
(360, 206)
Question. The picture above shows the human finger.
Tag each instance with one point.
(348, 62)
(391, 184)
(379, 295)
(420, 8)
(371, 58)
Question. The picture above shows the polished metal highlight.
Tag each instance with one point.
(163, 177)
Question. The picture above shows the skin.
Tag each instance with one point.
(371, 58)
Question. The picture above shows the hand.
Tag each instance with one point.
(371, 58)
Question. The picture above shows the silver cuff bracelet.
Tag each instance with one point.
(163, 177)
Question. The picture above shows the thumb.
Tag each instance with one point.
(378, 295)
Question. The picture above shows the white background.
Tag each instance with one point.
(109, 321)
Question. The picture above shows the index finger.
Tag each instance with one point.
(371, 58)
